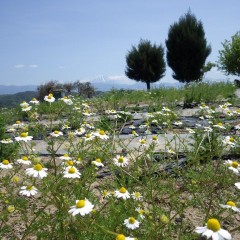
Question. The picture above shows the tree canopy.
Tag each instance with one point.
(145, 63)
(187, 49)
(229, 58)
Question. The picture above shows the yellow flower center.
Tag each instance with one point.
(98, 160)
(142, 141)
(105, 193)
(121, 159)
(29, 188)
(131, 220)
(18, 122)
(141, 211)
(25, 106)
(81, 203)
(213, 224)
(232, 204)
(38, 167)
(122, 190)
(71, 170)
(50, 96)
(65, 155)
(154, 138)
(25, 158)
(34, 99)
(5, 162)
(120, 237)
(69, 163)
(134, 132)
(235, 164)
(137, 194)
(231, 139)
(101, 132)
(220, 124)
(24, 134)
(88, 135)
(56, 132)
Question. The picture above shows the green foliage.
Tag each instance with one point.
(229, 56)
(187, 49)
(13, 100)
(146, 63)
(7, 150)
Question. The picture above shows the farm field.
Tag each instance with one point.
(155, 164)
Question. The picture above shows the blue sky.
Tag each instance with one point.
(69, 40)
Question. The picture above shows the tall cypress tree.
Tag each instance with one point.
(145, 63)
(187, 49)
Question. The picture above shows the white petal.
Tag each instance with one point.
(216, 236)
(208, 233)
(225, 234)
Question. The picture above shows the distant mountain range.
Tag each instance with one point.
(99, 85)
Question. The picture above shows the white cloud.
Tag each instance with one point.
(33, 66)
(61, 67)
(19, 66)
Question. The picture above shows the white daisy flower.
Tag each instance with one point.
(121, 161)
(141, 212)
(56, 133)
(65, 157)
(208, 129)
(101, 134)
(28, 191)
(106, 193)
(6, 141)
(134, 133)
(191, 131)
(131, 223)
(233, 166)
(229, 141)
(143, 142)
(219, 125)
(26, 108)
(5, 164)
(67, 100)
(213, 230)
(37, 171)
(24, 104)
(132, 127)
(98, 162)
(80, 131)
(154, 139)
(122, 237)
(230, 205)
(87, 113)
(237, 185)
(137, 196)
(34, 101)
(49, 98)
(18, 124)
(71, 172)
(24, 160)
(122, 193)
(203, 106)
(24, 137)
(178, 123)
(82, 207)
(89, 137)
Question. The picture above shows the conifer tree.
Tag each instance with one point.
(187, 49)
(145, 63)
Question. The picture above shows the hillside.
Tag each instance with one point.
(13, 100)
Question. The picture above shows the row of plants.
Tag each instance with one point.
(103, 187)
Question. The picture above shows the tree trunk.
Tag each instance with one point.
(148, 85)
